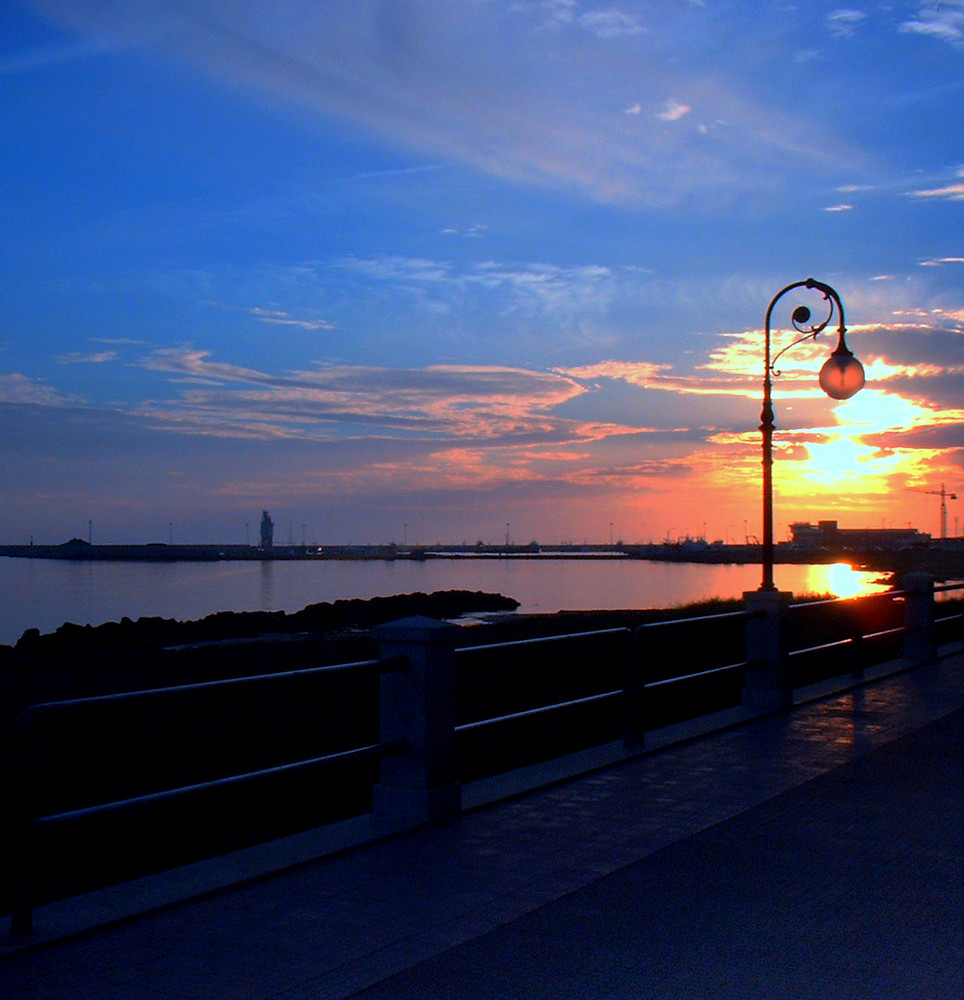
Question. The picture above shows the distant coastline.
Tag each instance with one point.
(78, 550)
(945, 559)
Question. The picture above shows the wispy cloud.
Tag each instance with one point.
(28, 60)
(87, 358)
(953, 191)
(475, 232)
(525, 286)
(673, 111)
(844, 22)
(484, 404)
(943, 21)
(606, 22)
(18, 388)
(282, 318)
(843, 207)
(610, 23)
(455, 83)
(278, 317)
(426, 168)
(939, 261)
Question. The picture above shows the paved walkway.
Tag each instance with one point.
(816, 854)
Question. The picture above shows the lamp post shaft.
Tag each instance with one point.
(766, 427)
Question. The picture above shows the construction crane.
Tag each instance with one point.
(945, 496)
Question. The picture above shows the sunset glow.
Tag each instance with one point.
(457, 265)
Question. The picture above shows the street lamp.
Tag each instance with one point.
(841, 376)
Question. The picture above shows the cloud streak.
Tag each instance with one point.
(423, 74)
(943, 21)
(954, 191)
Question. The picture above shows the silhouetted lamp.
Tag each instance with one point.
(840, 378)
(842, 374)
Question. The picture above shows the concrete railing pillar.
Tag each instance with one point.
(767, 682)
(418, 705)
(920, 646)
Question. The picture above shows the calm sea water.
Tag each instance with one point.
(39, 593)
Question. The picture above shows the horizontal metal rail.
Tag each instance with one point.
(496, 647)
(896, 630)
(375, 751)
(690, 677)
(542, 641)
(723, 616)
(177, 691)
(22, 901)
(529, 713)
(946, 588)
(823, 647)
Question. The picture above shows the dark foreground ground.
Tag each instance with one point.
(815, 853)
(141, 748)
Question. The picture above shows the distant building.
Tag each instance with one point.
(828, 536)
(267, 530)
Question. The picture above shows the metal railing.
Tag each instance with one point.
(590, 674)
(46, 724)
(487, 700)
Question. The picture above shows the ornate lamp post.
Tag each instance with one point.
(840, 378)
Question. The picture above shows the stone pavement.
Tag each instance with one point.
(814, 854)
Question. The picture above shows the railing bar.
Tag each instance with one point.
(542, 709)
(898, 630)
(690, 677)
(846, 642)
(542, 640)
(843, 600)
(387, 665)
(818, 649)
(948, 618)
(699, 618)
(376, 750)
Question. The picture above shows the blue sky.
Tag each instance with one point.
(456, 263)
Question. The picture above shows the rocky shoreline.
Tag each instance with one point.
(71, 639)
(78, 661)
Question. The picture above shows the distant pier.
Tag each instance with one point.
(944, 558)
(78, 550)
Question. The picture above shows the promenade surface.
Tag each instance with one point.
(812, 854)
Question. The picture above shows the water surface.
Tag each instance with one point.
(40, 593)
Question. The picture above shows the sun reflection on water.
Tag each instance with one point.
(842, 580)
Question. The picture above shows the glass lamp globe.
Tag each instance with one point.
(842, 375)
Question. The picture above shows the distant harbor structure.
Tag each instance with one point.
(827, 536)
(267, 530)
(893, 549)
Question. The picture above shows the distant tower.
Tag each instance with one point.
(267, 530)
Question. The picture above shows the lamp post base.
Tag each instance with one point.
(767, 684)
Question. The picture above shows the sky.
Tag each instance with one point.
(446, 270)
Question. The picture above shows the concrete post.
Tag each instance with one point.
(634, 695)
(418, 705)
(919, 643)
(767, 682)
